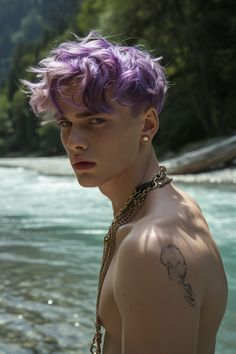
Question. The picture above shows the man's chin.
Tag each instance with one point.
(87, 182)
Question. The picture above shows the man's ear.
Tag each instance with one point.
(150, 122)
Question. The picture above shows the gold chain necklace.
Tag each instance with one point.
(124, 215)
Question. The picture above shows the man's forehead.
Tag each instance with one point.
(69, 98)
(76, 112)
(68, 101)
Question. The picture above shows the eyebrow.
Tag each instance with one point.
(80, 115)
(84, 114)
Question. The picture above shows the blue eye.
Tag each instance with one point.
(64, 123)
(97, 121)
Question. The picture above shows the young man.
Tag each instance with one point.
(162, 286)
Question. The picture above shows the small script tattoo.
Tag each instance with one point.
(173, 259)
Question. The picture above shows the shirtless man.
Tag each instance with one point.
(164, 289)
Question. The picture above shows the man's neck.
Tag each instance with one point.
(121, 187)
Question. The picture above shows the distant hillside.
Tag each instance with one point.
(195, 38)
(27, 21)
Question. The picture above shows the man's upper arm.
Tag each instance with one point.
(156, 298)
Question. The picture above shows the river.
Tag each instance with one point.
(51, 233)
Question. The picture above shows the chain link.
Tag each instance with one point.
(124, 215)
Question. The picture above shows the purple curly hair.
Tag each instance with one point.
(94, 64)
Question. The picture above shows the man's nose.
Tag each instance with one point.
(77, 139)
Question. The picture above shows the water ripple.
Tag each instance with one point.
(50, 252)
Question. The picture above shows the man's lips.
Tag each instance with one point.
(83, 164)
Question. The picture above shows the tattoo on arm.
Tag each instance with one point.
(173, 259)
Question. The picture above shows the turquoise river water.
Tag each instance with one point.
(51, 234)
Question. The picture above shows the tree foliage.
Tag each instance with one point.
(197, 41)
(28, 31)
(195, 38)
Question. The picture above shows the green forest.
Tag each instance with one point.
(195, 38)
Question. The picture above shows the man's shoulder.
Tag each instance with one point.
(175, 227)
(152, 255)
(184, 224)
(166, 257)
(179, 238)
(150, 235)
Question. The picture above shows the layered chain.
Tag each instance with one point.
(124, 215)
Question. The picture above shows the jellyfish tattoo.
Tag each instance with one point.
(173, 259)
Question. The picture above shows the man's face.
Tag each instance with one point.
(100, 147)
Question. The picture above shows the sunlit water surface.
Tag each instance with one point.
(51, 237)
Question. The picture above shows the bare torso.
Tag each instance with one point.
(208, 276)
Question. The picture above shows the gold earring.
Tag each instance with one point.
(145, 138)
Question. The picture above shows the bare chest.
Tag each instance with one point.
(108, 311)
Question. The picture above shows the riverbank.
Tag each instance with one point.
(60, 166)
